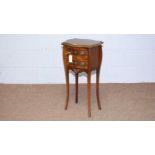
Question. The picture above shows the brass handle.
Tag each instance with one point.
(82, 63)
(82, 52)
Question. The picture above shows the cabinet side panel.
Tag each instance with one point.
(94, 57)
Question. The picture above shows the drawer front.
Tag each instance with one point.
(76, 52)
(79, 64)
(79, 57)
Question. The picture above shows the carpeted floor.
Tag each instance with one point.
(46, 102)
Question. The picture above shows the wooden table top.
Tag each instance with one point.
(88, 43)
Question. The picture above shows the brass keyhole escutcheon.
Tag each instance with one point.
(82, 52)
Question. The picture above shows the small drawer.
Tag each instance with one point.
(76, 57)
(81, 58)
(81, 51)
(78, 64)
(76, 51)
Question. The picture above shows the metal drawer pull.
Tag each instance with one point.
(82, 52)
(82, 63)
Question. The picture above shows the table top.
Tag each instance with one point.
(88, 43)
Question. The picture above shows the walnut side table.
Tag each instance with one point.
(82, 55)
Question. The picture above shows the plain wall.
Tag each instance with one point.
(38, 58)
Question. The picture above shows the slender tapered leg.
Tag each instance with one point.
(67, 87)
(76, 80)
(89, 92)
(97, 88)
(98, 75)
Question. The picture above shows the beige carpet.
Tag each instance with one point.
(46, 102)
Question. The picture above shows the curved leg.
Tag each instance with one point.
(76, 80)
(89, 92)
(98, 75)
(67, 87)
(97, 88)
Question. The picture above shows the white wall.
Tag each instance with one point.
(38, 58)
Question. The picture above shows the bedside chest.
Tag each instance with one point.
(82, 55)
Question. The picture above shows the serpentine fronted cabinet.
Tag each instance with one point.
(82, 55)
